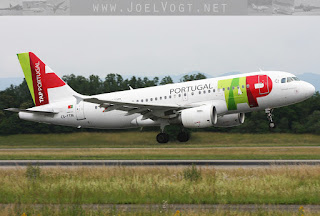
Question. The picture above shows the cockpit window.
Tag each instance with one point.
(289, 79)
(296, 78)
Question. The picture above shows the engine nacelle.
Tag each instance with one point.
(230, 120)
(199, 117)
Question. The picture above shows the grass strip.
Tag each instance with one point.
(232, 153)
(88, 210)
(137, 139)
(172, 185)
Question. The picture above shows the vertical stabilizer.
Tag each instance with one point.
(44, 85)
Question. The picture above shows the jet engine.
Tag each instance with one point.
(230, 120)
(199, 117)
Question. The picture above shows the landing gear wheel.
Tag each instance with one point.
(183, 136)
(272, 125)
(269, 116)
(162, 138)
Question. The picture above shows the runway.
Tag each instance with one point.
(222, 163)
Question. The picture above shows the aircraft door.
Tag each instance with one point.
(80, 111)
(263, 84)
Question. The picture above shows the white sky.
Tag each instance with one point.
(153, 46)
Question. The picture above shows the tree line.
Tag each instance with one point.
(299, 118)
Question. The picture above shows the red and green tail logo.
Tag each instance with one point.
(39, 78)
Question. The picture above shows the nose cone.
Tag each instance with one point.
(309, 90)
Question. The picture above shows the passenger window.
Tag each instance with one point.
(204, 92)
(232, 87)
(141, 100)
(165, 97)
(160, 98)
(228, 88)
(242, 86)
(248, 86)
(150, 99)
(199, 92)
(223, 89)
(283, 80)
(156, 98)
(192, 93)
(179, 95)
(185, 94)
(146, 100)
(170, 96)
(213, 90)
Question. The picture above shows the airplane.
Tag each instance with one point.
(214, 102)
(261, 8)
(306, 7)
(16, 7)
(56, 7)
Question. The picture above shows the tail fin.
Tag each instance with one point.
(44, 85)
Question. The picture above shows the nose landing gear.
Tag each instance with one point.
(269, 116)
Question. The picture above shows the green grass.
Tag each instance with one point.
(78, 210)
(214, 153)
(147, 185)
(147, 139)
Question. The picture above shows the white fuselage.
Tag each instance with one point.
(89, 115)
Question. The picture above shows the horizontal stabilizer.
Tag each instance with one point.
(30, 111)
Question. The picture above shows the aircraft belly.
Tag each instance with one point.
(111, 120)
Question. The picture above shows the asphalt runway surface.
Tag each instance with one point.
(222, 163)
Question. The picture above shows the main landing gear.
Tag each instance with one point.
(183, 136)
(269, 116)
(163, 137)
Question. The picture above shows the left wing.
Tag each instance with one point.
(152, 111)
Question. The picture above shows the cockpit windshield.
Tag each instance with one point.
(289, 79)
(296, 78)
